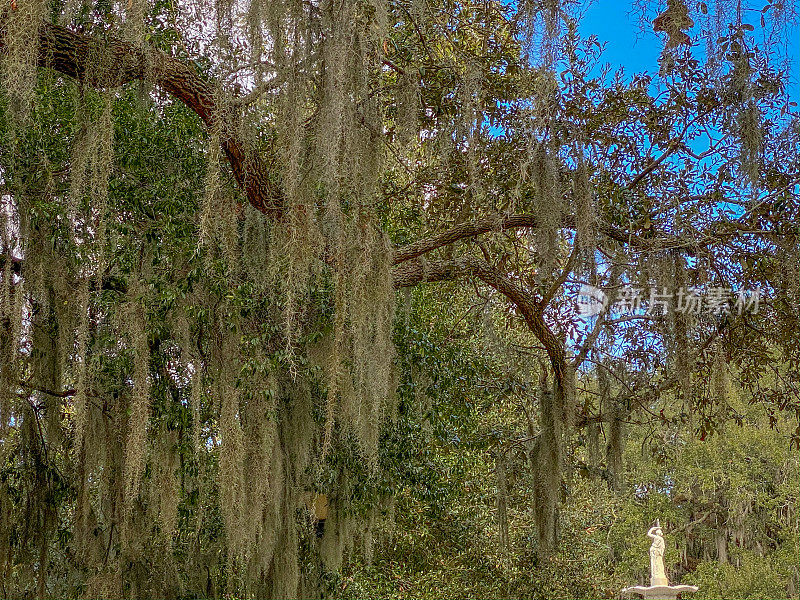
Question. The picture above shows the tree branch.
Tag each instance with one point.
(106, 63)
(462, 231)
(517, 221)
(422, 271)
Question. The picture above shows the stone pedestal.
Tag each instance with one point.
(659, 592)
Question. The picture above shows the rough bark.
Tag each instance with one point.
(109, 62)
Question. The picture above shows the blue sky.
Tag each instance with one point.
(636, 49)
(625, 45)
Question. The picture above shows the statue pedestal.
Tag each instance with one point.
(659, 592)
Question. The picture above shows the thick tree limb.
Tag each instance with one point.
(462, 231)
(107, 63)
(648, 241)
(505, 222)
(412, 273)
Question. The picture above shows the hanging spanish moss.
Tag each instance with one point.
(549, 207)
(181, 405)
(584, 215)
(218, 218)
(408, 107)
(720, 380)
(22, 24)
(541, 20)
(680, 326)
(80, 368)
(502, 504)
(613, 413)
(546, 458)
(750, 145)
(593, 431)
(133, 27)
(470, 92)
(135, 443)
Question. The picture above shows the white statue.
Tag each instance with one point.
(659, 586)
(658, 576)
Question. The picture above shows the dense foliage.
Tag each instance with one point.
(288, 300)
(728, 501)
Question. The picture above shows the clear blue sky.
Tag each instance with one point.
(625, 44)
(636, 49)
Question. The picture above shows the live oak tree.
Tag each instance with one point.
(209, 210)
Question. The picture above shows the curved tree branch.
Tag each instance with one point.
(462, 231)
(106, 63)
(422, 271)
(478, 227)
(651, 241)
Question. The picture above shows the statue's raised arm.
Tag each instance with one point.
(659, 585)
